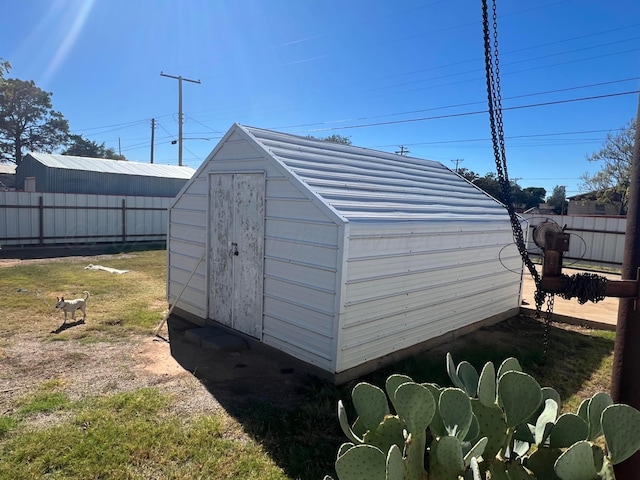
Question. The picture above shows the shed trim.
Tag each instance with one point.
(289, 174)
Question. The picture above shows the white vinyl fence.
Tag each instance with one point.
(48, 219)
(593, 239)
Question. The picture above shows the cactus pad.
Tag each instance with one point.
(395, 464)
(598, 403)
(371, 404)
(362, 462)
(386, 434)
(568, 429)
(469, 377)
(455, 410)
(509, 364)
(344, 423)
(621, 426)
(546, 421)
(577, 463)
(519, 395)
(446, 461)
(452, 372)
(492, 426)
(392, 384)
(415, 405)
(487, 385)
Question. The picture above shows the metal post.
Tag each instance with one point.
(180, 79)
(41, 219)
(124, 220)
(625, 382)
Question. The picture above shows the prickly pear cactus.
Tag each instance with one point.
(497, 425)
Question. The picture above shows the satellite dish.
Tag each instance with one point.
(540, 232)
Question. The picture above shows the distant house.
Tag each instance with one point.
(7, 177)
(541, 209)
(44, 172)
(590, 204)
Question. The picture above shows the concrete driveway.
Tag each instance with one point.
(603, 314)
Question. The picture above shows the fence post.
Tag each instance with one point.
(41, 219)
(124, 220)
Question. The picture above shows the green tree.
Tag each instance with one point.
(558, 199)
(467, 174)
(335, 138)
(532, 196)
(522, 198)
(27, 121)
(611, 182)
(81, 147)
(4, 68)
(490, 184)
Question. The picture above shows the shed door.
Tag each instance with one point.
(237, 251)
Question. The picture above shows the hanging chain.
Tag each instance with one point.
(497, 136)
(586, 287)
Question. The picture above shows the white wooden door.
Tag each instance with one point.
(237, 250)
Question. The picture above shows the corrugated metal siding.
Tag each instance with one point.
(364, 184)
(186, 242)
(300, 255)
(70, 219)
(407, 283)
(67, 174)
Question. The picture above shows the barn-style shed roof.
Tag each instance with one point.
(102, 165)
(364, 184)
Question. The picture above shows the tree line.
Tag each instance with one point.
(28, 122)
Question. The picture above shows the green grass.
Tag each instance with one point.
(137, 435)
(128, 436)
(131, 302)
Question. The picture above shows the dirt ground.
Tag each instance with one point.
(603, 314)
(198, 379)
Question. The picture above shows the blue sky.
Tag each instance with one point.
(383, 73)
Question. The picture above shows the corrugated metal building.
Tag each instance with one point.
(69, 174)
(7, 177)
(337, 255)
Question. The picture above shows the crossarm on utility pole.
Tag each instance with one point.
(180, 79)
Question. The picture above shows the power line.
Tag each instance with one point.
(478, 112)
(508, 138)
(444, 107)
(456, 74)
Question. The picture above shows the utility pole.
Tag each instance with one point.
(180, 79)
(625, 383)
(457, 161)
(403, 151)
(153, 134)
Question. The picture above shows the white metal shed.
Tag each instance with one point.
(340, 256)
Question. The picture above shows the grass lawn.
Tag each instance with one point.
(135, 426)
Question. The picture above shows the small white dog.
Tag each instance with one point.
(73, 305)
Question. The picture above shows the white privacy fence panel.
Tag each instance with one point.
(596, 239)
(67, 219)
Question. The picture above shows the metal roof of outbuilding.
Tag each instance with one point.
(361, 183)
(7, 168)
(122, 167)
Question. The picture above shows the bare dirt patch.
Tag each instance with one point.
(97, 368)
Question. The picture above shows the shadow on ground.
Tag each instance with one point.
(292, 413)
(67, 325)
